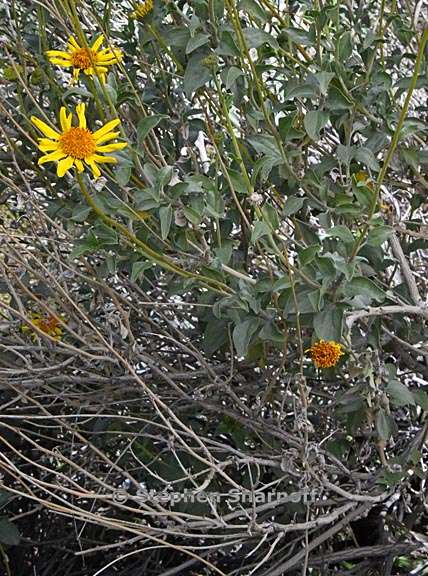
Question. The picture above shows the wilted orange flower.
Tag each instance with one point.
(48, 323)
(363, 177)
(326, 354)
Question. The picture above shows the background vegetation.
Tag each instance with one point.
(272, 194)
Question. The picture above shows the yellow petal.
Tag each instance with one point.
(107, 52)
(57, 155)
(109, 56)
(43, 127)
(107, 61)
(112, 147)
(72, 42)
(80, 109)
(105, 137)
(102, 159)
(58, 54)
(75, 77)
(79, 165)
(106, 128)
(57, 62)
(95, 170)
(65, 119)
(64, 165)
(48, 146)
(97, 42)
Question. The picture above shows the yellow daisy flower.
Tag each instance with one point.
(326, 354)
(48, 323)
(92, 61)
(77, 144)
(142, 9)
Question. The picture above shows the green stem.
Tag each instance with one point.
(148, 252)
(393, 145)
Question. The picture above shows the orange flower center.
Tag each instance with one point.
(82, 58)
(326, 354)
(78, 143)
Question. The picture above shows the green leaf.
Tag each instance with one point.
(328, 323)
(243, 333)
(165, 215)
(224, 252)
(266, 144)
(337, 100)
(138, 268)
(344, 154)
(106, 236)
(421, 399)
(307, 255)
(377, 236)
(270, 214)
(344, 47)
(300, 36)
(256, 37)
(123, 174)
(384, 424)
(260, 229)
(80, 213)
(215, 335)
(5, 497)
(304, 90)
(232, 75)
(162, 179)
(342, 232)
(195, 76)
(197, 41)
(412, 126)
(314, 121)
(148, 123)
(366, 156)
(9, 533)
(84, 245)
(192, 215)
(324, 79)
(253, 8)
(292, 205)
(399, 393)
(360, 286)
(76, 90)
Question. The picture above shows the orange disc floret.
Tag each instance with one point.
(326, 354)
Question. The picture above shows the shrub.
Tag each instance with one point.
(213, 287)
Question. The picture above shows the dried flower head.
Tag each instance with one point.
(47, 323)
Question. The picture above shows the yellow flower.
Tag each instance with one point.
(77, 144)
(325, 354)
(91, 60)
(142, 9)
(49, 324)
